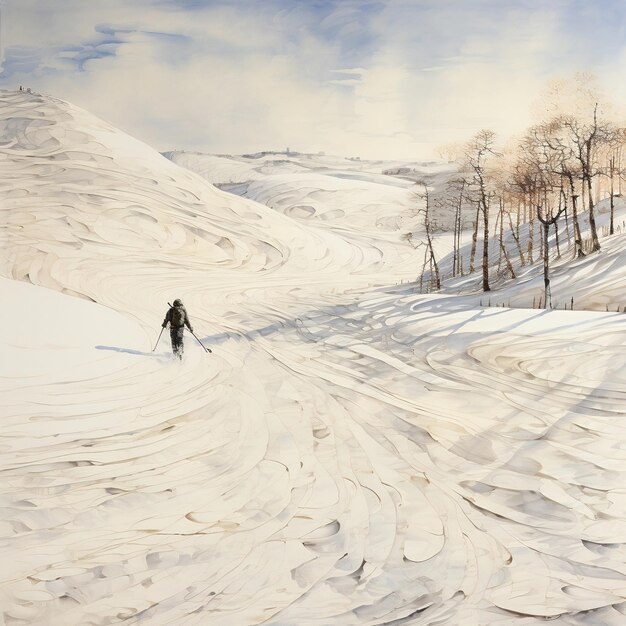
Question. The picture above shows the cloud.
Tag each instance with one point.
(392, 78)
(21, 60)
(204, 103)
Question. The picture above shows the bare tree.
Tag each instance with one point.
(584, 137)
(577, 107)
(549, 153)
(507, 200)
(455, 194)
(503, 251)
(541, 161)
(477, 153)
(429, 255)
(524, 181)
(474, 235)
(547, 218)
(615, 140)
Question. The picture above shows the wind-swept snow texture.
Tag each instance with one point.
(348, 455)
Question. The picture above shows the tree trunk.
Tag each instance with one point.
(517, 241)
(531, 236)
(546, 268)
(578, 239)
(474, 239)
(503, 250)
(564, 199)
(434, 268)
(612, 172)
(485, 245)
(592, 218)
(541, 239)
(454, 247)
(500, 229)
(459, 220)
(556, 240)
(457, 233)
(619, 170)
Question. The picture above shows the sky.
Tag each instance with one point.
(392, 79)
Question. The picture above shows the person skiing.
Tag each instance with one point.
(177, 318)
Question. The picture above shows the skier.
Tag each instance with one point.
(178, 319)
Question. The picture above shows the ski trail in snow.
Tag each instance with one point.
(345, 456)
(470, 409)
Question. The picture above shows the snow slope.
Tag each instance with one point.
(354, 199)
(354, 196)
(347, 455)
(592, 283)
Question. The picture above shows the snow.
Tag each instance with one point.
(39, 326)
(351, 453)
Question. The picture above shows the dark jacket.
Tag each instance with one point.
(168, 319)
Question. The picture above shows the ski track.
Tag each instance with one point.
(346, 456)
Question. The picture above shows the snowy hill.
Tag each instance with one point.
(83, 203)
(592, 283)
(354, 199)
(351, 453)
(86, 203)
(352, 195)
(232, 169)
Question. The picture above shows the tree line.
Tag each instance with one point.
(532, 187)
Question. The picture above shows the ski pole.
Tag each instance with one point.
(157, 342)
(205, 348)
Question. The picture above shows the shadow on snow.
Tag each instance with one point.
(128, 351)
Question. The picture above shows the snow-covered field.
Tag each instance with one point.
(351, 453)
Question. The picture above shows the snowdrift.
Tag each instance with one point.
(347, 455)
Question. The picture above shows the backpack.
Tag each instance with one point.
(178, 316)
